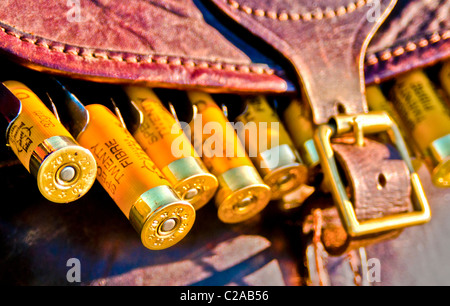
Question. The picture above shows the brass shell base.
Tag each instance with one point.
(49, 160)
(151, 212)
(440, 153)
(281, 169)
(286, 179)
(242, 195)
(441, 174)
(192, 181)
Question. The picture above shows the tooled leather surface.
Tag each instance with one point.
(155, 42)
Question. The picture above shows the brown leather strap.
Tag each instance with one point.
(379, 186)
(379, 182)
(325, 40)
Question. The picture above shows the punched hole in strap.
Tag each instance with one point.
(340, 108)
(382, 181)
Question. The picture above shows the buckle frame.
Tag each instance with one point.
(360, 124)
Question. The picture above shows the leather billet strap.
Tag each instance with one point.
(379, 186)
(326, 41)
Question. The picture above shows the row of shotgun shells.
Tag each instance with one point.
(159, 192)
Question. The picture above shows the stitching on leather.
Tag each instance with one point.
(136, 58)
(318, 14)
(405, 49)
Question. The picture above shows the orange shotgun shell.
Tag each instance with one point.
(64, 170)
(134, 182)
(242, 193)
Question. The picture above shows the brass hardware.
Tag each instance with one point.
(373, 122)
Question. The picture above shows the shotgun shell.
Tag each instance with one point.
(298, 123)
(242, 193)
(425, 114)
(270, 148)
(134, 182)
(377, 101)
(162, 138)
(64, 170)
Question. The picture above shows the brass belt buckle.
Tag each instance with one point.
(360, 124)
